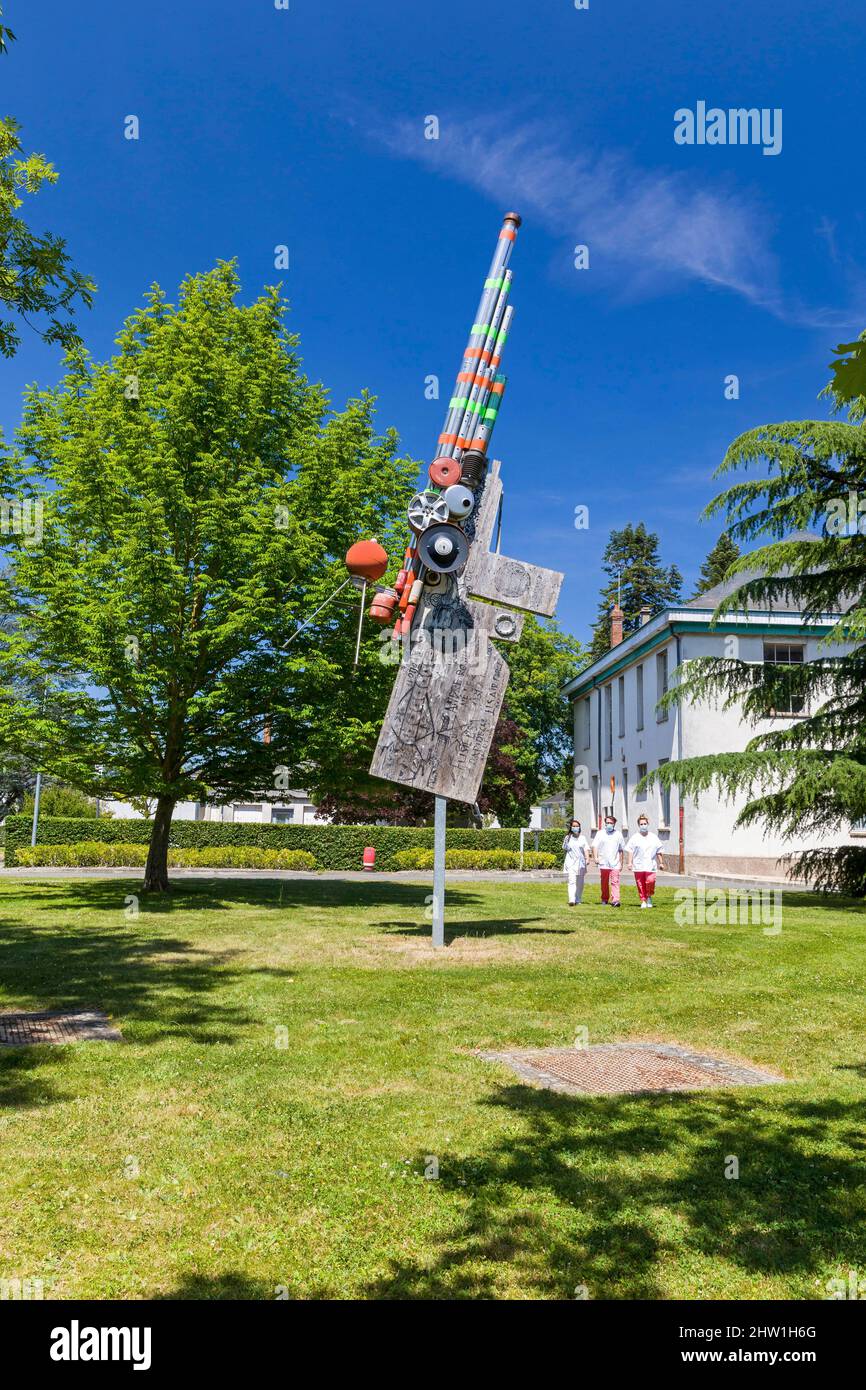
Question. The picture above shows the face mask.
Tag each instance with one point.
(575, 830)
(643, 829)
(609, 829)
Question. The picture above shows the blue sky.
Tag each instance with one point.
(305, 127)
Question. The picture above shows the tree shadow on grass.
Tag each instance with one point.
(23, 1084)
(638, 1180)
(215, 895)
(476, 927)
(165, 982)
(233, 1286)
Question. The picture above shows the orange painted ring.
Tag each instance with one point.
(444, 472)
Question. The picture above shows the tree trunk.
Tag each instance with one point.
(156, 868)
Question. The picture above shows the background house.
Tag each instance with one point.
(620, 735)
(294, 807)
(551, 812)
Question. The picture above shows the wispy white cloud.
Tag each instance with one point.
(648, 230)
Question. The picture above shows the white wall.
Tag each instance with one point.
(251, 813)
(708, 728)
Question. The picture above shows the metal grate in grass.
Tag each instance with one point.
(628, 1069)
(77, 1025)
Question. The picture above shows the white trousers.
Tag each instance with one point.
(575, 884)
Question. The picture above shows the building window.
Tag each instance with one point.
(661, 685)
(785, 654)
(620, 697)
(586, 712)
(624, 800)
(283, 815)
(639, 719)
(594, 800)
(641, 773)
(608, 722)
(664, 799)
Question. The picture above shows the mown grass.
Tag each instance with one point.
(295, 1054)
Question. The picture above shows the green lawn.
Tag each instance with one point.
(201, 1160)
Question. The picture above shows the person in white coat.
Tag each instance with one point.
(574, 866)
(645, 856)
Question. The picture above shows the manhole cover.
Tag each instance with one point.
(81, 1025)
(627, 1068)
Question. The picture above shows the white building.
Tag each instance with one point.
(620, 735)
(294, 807)
(551, 812)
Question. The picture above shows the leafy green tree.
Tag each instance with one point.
(17, 778)
(17, 769)
(36, 274)
(198, 501)
(635, 573)
(57, 800)
(807, 778)
(718, 562)
(541, 663)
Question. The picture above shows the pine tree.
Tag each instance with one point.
(718, 562)
(808, 778)
(631, 562)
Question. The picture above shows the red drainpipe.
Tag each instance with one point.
(682, 864)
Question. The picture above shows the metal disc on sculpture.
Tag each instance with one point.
(444, 472)
(425, 509)
(444, 549)
(459, 500)
(505, 626)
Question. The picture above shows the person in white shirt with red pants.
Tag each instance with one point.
(608, 848)
(645, 854)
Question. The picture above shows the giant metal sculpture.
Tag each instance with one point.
(449, 689)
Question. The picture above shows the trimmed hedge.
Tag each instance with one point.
(94, 853)
(475, 859)
(332, 846)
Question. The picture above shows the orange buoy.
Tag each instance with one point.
(367, 559)
(382, 608)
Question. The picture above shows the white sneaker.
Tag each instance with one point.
(643, 904)
(649, 902)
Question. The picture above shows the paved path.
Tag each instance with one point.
(405, 876)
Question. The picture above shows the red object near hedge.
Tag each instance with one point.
(369, 857)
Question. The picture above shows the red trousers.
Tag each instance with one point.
(609, 885)
(646, 883)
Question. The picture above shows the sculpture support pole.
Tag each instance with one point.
(35, 825)
(439, 872)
